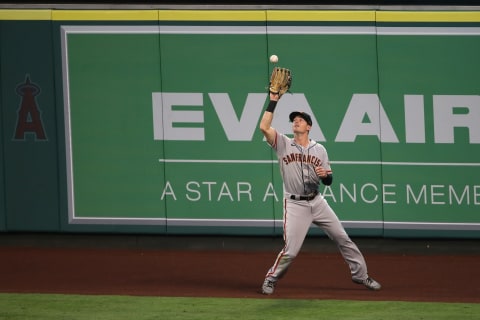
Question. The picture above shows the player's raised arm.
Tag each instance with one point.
(280, 82)
(266, 123)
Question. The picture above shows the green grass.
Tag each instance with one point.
(72, 307)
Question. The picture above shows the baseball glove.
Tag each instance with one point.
(280, 80)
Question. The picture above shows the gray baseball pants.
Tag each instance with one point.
(297, 217)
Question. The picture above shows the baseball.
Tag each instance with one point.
(273, 58)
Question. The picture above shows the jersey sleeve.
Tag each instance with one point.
(279, 145)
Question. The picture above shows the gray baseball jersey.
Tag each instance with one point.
(297, 167)
(297, 164)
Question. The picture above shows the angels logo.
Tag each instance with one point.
(29, 119)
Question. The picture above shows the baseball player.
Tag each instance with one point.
(303, 165)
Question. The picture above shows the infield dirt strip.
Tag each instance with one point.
(235, 273)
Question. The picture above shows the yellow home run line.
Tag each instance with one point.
(241, 15)
(211, 15)
(322, 15)
(105, 15)
(12, 14)
(428, 16)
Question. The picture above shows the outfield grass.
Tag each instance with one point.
(72, 307)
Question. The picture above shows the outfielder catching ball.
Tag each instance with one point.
(303, 165)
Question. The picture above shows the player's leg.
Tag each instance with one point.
(325, 218)
(297, 219)
(349, 250)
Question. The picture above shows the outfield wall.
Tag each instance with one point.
(146, 121)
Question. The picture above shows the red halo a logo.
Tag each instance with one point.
(29, 119)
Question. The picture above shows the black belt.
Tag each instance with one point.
(307, 197)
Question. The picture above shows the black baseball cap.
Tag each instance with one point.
(303, 115)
